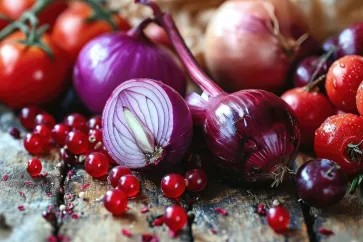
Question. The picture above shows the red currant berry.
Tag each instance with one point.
(34, 167)
(14, 132)
(95, 122)
(197, 180)
(261, 210)
(77, 142)
(69, 158)
(27, 116)
(278, 218)
(130, 185)
(95, 139)
(115, 201)
(173, 185)
(33, 144)
(46, 119)
(44, 132)
(110, 159)
(175, 217)
(116, 173)
(59, 133)
(96, 164)
(76, 121)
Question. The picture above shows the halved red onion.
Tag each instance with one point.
(145, 122)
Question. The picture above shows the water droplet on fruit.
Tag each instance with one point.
(342, 65)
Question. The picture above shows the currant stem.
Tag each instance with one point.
(322, 61)
(199, 77)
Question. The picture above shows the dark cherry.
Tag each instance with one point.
(77, 142)
(278, 217)
(173, 185)
(175, 217)
(27, 116)
(306, 68)
(14, 132)
(95, 122)
(45, 119)
(76, 121)
(116, 173)
(130, 185)
(321, 183)
(69, 158)
(34, 167)
(33, 144)
(350, 41)
(96, 164)
(59, 134)
(115, 201)
(197, 180)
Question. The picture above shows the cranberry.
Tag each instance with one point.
(44, 132)
(77, 142)
(14, 132)
(33, 144)
(27, 116)
(46, 119)
(68, 157)
(321, 183)
(173, 185)
(96, 164)
(278, 218)
(34, 167)
(197, 180)
(59, 133)
(95, 139)
(115, 201)
(76, 121)
(175, 217)
(95, 122)
(130, 185)
(116, 173)
(110, 159)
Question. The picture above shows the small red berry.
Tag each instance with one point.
(34, 167)
(110, 159)
(44, 132)
(261, 210)
(14, 132)
(95, 139)
(33, 143)
(96, 164)
(175, 217)
(130, 185)
(95, 122)
(116, 173)
(173, 185)
(76, 121)
(46, 119)
(27, 116)
(278, 218)
(59, 133)
(197, 180)
(77, 142)
(115, 201)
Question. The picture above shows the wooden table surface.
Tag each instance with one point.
(91, 222)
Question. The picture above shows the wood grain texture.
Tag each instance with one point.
(27, 225)
(97, 224)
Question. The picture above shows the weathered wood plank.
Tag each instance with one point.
(27, 225)
(97, 224)
(345, 219)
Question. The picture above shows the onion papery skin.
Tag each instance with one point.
(111, 59)
(241, 50)
(252, 133)
(159, 108)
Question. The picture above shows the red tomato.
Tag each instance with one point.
(335, 138)
(311, 109)
(15, 8)
(72, 32)
(28, 76)
(342, 82)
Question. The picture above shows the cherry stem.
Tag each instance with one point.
(137, 32)
(166, 21)
(354, 150)
(313, 84)
(322, 61)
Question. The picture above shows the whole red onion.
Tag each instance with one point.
(253, 133)
(111, 59)
(252, 44)
(145, 122)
